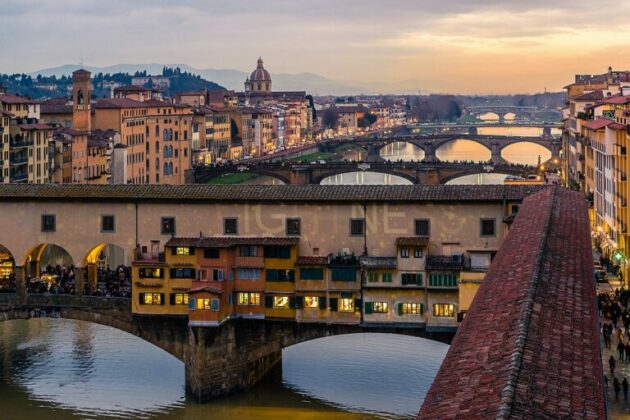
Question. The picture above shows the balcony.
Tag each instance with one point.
(445, 262)
(343, 260)
(19, 143)
(19, 176)
(249, 262)
(19, 160)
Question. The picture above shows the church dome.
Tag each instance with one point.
(260, 74)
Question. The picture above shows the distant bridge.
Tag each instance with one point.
(415, 172)
(430, 143)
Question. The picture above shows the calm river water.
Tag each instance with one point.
(62, 369)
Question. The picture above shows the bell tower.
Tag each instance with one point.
(81, 94)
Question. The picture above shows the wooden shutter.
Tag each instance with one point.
(299, 302)
(334, 304)
(357, 305)
(268, 301)
(141, 298)
(191, 304)
(161, 298)
(172, 296)
(419, 279)
(399, 308)
(369, 307)
(322, 302)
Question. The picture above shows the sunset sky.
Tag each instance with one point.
(458, 46)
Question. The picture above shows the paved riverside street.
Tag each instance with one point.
(617, 409)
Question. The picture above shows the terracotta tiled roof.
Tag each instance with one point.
(14, 99)
(227, 241)
(589, 96)
(34, 127)
(412, 241)
(270, 193)
(209, 289)
(116, 103)
(617, 126)
(315, 260)
(528, 347)
(597, 124)
(5, 113)
(617, 100)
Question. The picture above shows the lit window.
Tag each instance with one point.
(203, 303)
(443, 309)
(311, 302)
(252, 299)
(151, 273)
(381, 307)
(346, 305)
(182, 250)
(411, 308)
(280, 301)
(152, 298)
(179, 299)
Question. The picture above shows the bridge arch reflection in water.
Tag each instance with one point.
(78, 368)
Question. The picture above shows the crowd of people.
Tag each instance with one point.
(61, 280)
(112, 283)
(7, 284)
(613, 309)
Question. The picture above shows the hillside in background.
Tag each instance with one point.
(51, 85)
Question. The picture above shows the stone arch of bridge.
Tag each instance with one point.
(411, 178)
(102, 256)
(251, 170)
(475, 171)
(440, 143)
(168, 333)
(7, 265)
(516, 140)
(46, 254)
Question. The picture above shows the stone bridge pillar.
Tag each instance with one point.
(373, 153)
(78, 281)
(495, 149)
(301, 175)
(428, 176)
(501, 118)
(232, 357)
(472, 131)
(429, 152)
(547, 131)
(20, 281)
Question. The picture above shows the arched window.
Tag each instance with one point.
(157, 165)
(165, 168)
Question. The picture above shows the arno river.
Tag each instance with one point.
(62, 369)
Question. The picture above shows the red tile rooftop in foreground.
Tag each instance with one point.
(528, 347)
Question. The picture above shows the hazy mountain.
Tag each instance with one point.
(231, 79)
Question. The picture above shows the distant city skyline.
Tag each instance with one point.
(480, 46)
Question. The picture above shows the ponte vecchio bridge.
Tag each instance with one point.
(538, 293)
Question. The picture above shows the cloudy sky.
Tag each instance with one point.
(464, 46)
